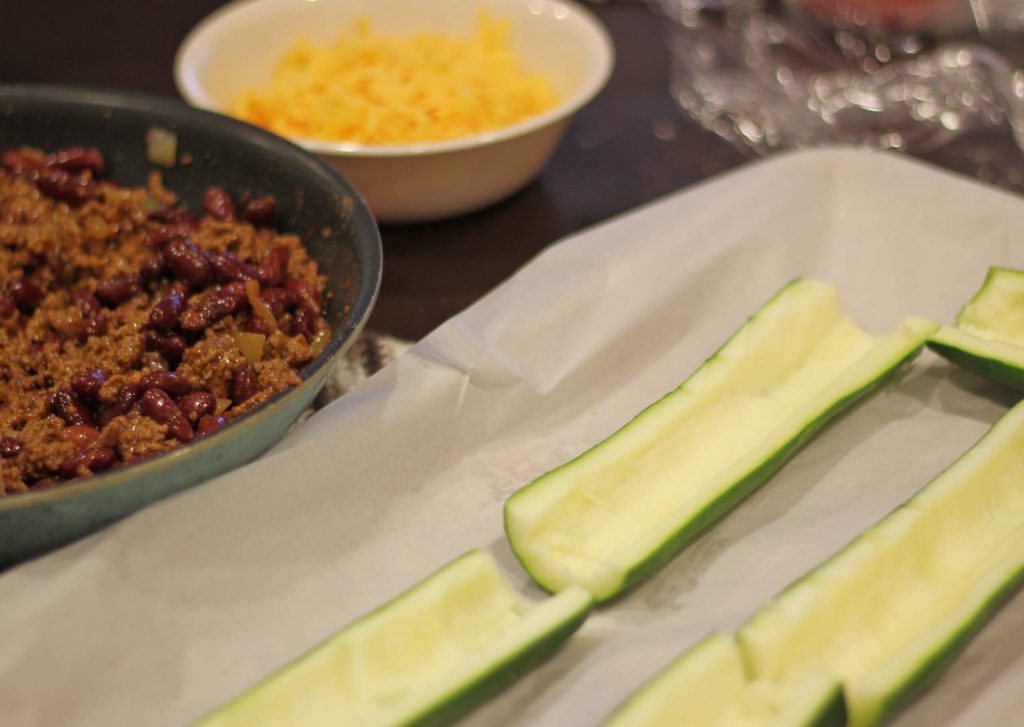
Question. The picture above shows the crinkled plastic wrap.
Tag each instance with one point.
(174, 610)
(912, 75)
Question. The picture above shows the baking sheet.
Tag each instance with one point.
(170, 612)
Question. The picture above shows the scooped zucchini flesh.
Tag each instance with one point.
(890, 610)
(424, 658)
(989, 334)
(620, 510)
(708, 687)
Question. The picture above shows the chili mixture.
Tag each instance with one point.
(128, 325)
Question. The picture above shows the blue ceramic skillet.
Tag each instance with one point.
(313, 201)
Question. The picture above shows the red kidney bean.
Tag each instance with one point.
(278, 300)
(161, 408)
(166, 314)
(245, 384)
(66, 404)
(187, 262)
(167, 381)
(18, 161)
(116, 290)
(94, 459)
(10, 447)
(272, 270)
(216, 304)
(26, 294)
(304, 322)
(303, 291)
(76, 159)
(228, 267)
(44, 484)
(96, 326)
(86, 302)
(126, 398)
(80, 436)
(152, 268)
(257, 325)
(7, 306)
(174, 215)
(156, 237)
(65, 186)
(88, 383)
(218, 204)
(209, 423)
(173, 348)
(260, 211)
(197, 405)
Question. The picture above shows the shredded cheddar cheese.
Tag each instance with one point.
(380, 89)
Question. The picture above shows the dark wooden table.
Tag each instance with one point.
(629, 146)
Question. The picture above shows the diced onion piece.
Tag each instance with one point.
(261, 309)
(319, 342)
(161, 146)
(251, 346)
(222, 405)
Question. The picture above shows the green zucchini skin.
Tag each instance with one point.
(729, 498)
(530, 656)
(994, 369)
(833, 712)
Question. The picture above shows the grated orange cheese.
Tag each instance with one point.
(379, 89)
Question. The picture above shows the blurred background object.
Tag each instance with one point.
(922, 76)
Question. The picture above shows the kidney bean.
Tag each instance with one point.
(96, 326)
(86, 302)
(26, 294)
(66, 404)
(174, 215)
(76, 159)
(64, 186)
(94, 459)
(197, 405)
(161, 408)
(117, 289)
(260, 211)
(7, 306)
(278, 299)
(18, 161)
(228, 267)
(88, 383)
(209, 423)
(173, 348)
(167, 381)
(218, 204)
(44, 484)
(272, 270)
(304, 322)
(188, 262)
(157, 237)
(126, 398)
(80, 436)
(10, 447)
(257, 325)
(166, 314)
(303, 291)
(245, 384)
(214, 305)
(152, 268)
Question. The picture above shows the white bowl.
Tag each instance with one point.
(237, 47)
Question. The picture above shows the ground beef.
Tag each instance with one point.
(129, 326)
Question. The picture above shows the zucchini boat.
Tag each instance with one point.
(620, 510)
(891, 609)
(424, 658)
(707, 687)
(989, 334)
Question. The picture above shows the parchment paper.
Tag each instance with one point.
(170, 612)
